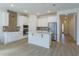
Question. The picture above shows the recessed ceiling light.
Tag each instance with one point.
(12, 5)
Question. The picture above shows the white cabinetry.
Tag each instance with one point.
(4, 18)
(52, 19)
(26, 20)
(42, 22)
(40, 39)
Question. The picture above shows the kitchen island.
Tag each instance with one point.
(40, 38)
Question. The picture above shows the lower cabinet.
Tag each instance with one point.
(40, 39)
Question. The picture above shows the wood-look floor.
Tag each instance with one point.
(22, 48)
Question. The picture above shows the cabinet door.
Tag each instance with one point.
(1, 19)
(12, 19)
(44, 40)
(4, 18)
(43, 22)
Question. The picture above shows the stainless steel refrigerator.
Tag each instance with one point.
(53, 30)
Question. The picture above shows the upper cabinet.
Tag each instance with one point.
(52, 19)
(4, 18)
(12, 22)
(42, 22)
(12, 19)
(25, 20)
(22, 20)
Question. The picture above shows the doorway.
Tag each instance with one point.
(68, 29)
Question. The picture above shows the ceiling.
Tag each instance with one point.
(33, 8)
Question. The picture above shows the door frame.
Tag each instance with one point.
(75, 29)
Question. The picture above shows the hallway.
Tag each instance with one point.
(67, 39)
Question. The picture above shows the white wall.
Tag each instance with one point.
(78, 28)
(72, 26)
(32, 23)
(66, 26)
(58, 27)
(52, 18)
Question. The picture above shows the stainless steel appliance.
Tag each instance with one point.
(53, 30)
